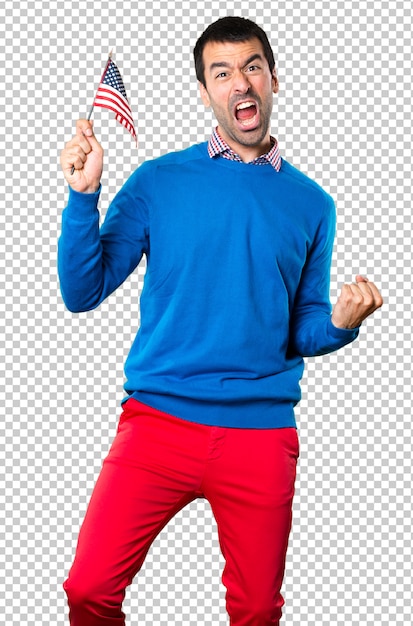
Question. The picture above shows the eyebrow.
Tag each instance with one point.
(219, 64)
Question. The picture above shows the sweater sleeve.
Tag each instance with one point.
(93, 261)
(312, 331)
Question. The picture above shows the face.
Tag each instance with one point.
(239, 88)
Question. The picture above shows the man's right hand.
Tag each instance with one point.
(85, 154)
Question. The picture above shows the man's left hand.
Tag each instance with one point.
(356, 302)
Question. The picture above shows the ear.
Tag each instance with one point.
(204, 95)
(275, 84)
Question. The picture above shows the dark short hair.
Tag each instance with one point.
(231, 29)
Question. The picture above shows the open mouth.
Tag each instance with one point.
(246, 113)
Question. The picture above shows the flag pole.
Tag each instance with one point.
(93, 105)
(101, 81)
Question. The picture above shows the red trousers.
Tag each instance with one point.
(158, 464)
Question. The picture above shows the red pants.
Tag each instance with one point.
(158, 464)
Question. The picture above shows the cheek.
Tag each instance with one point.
(264, 87)
(220, 105)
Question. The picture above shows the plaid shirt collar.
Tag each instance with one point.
(218, 147)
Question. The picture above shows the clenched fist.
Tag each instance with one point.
(356, 302)
(82, 159)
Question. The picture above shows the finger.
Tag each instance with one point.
(73, 157)
(378, 298)
(84, 127)
(367, 286)
(364, 288)
(79, 143)
(371, 298)
(357, 295)
(347, 291)
(74, 164)
(350, 296)
(78, 161)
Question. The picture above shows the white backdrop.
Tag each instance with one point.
(343, 116)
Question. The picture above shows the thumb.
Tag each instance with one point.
(85, 129)
(361, 279)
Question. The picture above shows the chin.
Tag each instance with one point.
(252, 137)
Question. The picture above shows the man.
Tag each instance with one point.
(236, 293)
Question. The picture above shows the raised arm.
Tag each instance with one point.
(315, 330)
(92, 260)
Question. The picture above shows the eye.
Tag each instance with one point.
(252, 68)
(222, 75)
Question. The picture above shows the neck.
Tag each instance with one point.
(245, 152)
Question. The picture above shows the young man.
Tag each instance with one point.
(213, 374)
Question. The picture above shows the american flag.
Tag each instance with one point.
(111, 94)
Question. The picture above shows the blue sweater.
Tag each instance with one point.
(236, 290)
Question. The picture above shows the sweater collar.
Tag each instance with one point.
(218, 147)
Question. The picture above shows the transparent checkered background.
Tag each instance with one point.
(343, 116)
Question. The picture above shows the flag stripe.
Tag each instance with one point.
(126, 124)
(108, 90)
(120, 118)
(111, 95)
(105, 96)
(108, 104)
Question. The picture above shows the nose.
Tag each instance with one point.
(241, 83)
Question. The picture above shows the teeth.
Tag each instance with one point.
(245, 105)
